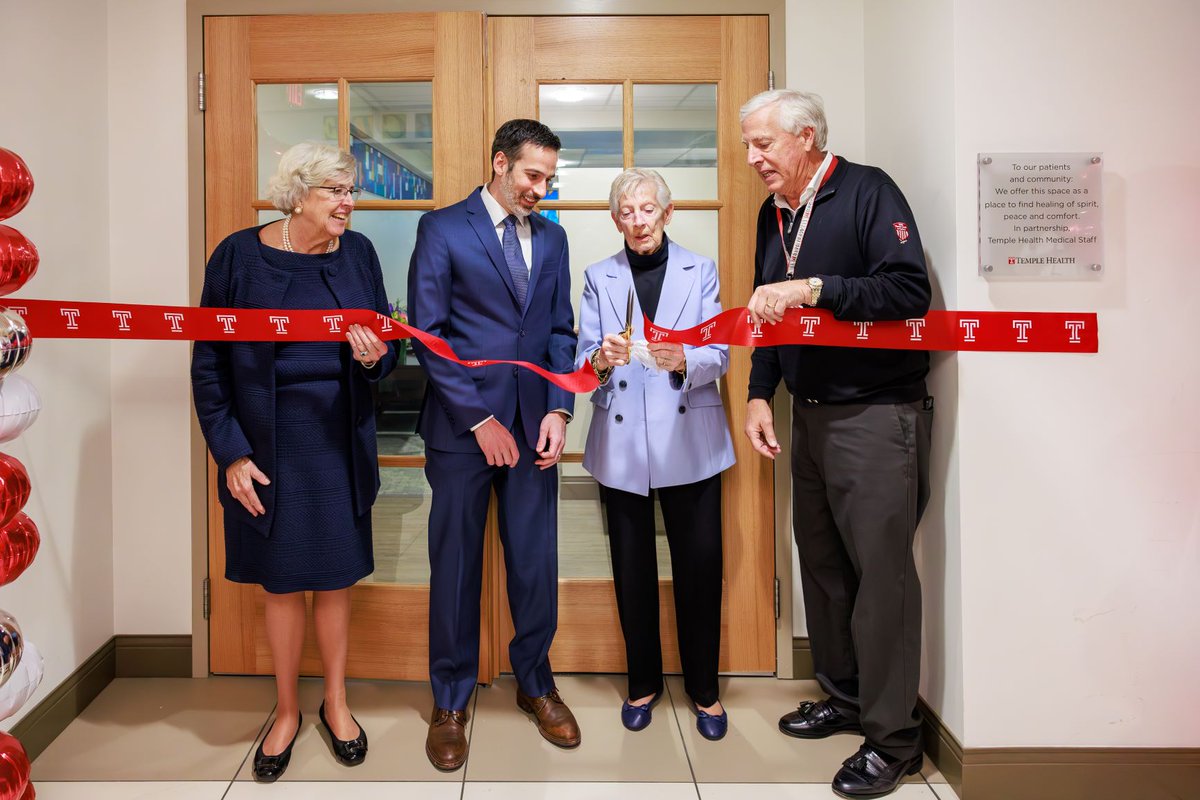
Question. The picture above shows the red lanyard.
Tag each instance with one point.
(791, 256)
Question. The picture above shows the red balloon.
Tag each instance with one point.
(18, 259)
(16, 183)
(30, 793)
(14, 768)
(19, 542)
(14, 488)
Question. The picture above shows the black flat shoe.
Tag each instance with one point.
(869, 773)
(268, 769)
(350, 752)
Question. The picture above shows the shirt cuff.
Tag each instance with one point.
(481, 422)
(564, 412)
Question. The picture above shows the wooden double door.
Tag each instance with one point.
(416, 98)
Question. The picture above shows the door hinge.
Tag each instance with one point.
(200, 91)
(770, 79)
(207, 599)
(777, 598)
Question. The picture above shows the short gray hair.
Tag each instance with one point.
(304, 166)
(796, 111)
(628, 182)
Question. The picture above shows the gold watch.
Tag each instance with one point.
(815, 285)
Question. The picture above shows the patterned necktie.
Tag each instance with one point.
(514, 259)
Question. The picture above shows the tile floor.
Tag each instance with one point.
(185, 739)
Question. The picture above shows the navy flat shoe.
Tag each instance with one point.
(711, 726)
(635, 718)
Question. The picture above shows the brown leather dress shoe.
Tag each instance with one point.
(446, 744)
(554, 720)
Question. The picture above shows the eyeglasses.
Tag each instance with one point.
(340, 192)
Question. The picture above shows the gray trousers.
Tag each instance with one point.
(860, 481)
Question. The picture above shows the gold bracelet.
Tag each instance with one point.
(601, 373)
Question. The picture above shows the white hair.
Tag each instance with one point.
(304, 166)
(628, 182)
(796, 111)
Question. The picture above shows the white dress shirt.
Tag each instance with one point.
(524, 230)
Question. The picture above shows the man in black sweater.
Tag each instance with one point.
(840, 236)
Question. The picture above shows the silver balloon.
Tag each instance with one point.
(12, 645)
(25, 681)
(14, 341)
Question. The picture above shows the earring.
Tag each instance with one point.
(297, 209)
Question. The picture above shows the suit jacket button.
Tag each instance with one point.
(622, 385)
(682, 410)
(618, 418)
(522, 332)
(516, 370)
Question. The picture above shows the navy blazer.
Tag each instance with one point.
(233, 383)
(459, 288)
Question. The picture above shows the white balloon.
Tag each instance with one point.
(19, 406)
(24, 682)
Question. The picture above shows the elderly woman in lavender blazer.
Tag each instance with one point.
(658, 427)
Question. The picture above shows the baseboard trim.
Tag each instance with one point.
(123, 656)
(154, 656)
(57, 710)
(943, 749)
(1048, 773)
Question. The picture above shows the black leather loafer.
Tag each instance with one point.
(869, 773)
(268, 769)
(349, 752)
(816, 721)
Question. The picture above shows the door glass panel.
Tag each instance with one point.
(391, 137)
(290, 113)
(400, 523)
(675, 132)
(697, 231)
(398, 395)
(588, 118)
(583, 546)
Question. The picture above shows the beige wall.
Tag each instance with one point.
(53, 113)
(1081, 476)
(151, 411)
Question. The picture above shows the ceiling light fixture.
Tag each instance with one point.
(324, 93)
(569, 94)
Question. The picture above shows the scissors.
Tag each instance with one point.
(628, 332)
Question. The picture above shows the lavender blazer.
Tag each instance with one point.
(652, 429)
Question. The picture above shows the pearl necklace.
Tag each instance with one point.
(287, 240)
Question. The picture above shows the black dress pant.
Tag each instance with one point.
(860, 481)
(692, 513)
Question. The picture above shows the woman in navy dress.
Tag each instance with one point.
(291, 427)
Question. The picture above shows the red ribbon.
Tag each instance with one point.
(53, 319)
(1008, 331)
(1031, 331)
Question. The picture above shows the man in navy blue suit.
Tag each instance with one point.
(492, 278)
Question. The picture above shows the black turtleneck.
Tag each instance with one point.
(648, 273)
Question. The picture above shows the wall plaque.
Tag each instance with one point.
(1041, 215)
